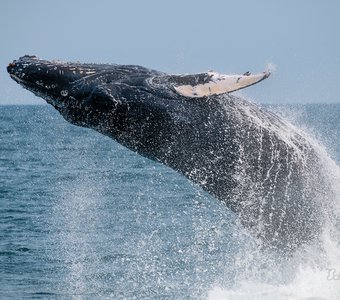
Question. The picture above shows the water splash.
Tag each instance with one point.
(312, 272)
(270, 67)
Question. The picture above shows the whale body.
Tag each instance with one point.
(260, 166)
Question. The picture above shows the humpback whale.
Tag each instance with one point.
(259, 165)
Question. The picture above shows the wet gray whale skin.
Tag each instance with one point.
(251, 160)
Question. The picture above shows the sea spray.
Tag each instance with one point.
(313, 270)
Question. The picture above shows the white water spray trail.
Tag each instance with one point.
(75, 224)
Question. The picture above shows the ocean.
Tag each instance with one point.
(81, 217)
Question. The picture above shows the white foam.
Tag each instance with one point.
(312, 274)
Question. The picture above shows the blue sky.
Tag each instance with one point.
(301, 38)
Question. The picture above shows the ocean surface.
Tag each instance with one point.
(81, 217)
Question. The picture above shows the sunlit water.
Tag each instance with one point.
(82, 217)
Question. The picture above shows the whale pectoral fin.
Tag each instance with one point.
(211, 83)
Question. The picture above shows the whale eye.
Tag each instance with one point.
(64, 93)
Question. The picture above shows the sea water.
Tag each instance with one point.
(82, 217)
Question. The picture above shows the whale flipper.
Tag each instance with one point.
(211, 83)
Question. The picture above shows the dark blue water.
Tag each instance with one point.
(82, 217)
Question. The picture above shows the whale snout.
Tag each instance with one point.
(59, 83)
(24, 69)
(13, 69)
(32, 70)
(50, 80)
(10, 67)
(23, 61)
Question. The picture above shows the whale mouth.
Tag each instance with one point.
(16, 78)
(19, 78)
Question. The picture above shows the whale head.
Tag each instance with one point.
(112, 99)
(51, 80)
(78, 91)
